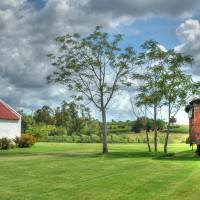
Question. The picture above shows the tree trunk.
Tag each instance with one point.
(146, 130)
(168, 127)
(155, 127)
(198, 150)
(105, 146)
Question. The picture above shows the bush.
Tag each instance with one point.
(132, 140)
(68, 139)
(25, 141)
(56, 131)
(5, 143)
(85, 139)
(137, 126)
(144, 140)
(76, 138)
(109, 139)
(116, 139)
(187, 141)
(57, 138)
(95, 138)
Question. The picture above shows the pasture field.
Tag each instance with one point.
(80, 171)
(173, 137)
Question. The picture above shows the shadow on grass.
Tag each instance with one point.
(180, 156)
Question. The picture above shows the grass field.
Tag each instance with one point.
(80, 171)
(173, 137)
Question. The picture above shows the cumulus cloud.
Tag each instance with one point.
(189, 34)
(27, 35)
(132, 9)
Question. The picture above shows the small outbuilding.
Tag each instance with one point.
(10, 121)
(193, 110)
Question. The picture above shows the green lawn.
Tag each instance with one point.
(80, 171)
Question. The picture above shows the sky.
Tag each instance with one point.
(28, 29)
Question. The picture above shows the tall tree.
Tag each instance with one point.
(141, 107)
(94, 67)
(61, 116)
(27, 121)
(44, 115)
(176, 85)
(151, 60)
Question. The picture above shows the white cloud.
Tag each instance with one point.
(182, 117)
(189, 30)
(162, 48)
(189, 34)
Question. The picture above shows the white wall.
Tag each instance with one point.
(10, 128)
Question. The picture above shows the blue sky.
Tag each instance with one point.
(28, 29)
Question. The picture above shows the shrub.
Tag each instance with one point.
(144, 140)
(5, 143)
(85, 139)
(95, 138)
(132, 140)
(115, 138)
(68, 139)
(137, 126)
(187, 141)
(109, 139)
(53, 130)
(25, 141)
(76, 138)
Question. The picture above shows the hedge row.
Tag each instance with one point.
(92, 139)
(98, 139)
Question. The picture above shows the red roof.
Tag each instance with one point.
(6, 112)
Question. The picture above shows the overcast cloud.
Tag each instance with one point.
(27, 36)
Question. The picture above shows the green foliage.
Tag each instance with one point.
(119, 130)
(84, 64)
(44, 115)
(95, 138)
(160, 124)
(25, 141)
(53, 130)
(161, 139)
(43, 130)
(93, 128)
(88, 59)
(26, 121)
(173, 120)
(5, 143)
(131, 140)
(76, 138)
(85, 139)
(137, 125)
(177, 129)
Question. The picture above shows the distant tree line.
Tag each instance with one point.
(139, 124)
(66, 119)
